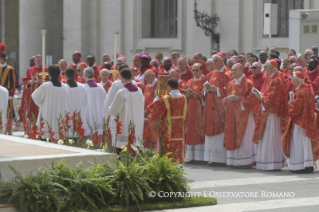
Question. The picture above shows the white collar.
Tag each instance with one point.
(221, 70)
(271, 75)
(247, 65)
(312, 71)
(299, 86)
(238, 81)
(153, 83)
(103, 84)
(175, 93)
(76, 64)
(185, 71)
(4, 64)
(199, 79)
(167, 72)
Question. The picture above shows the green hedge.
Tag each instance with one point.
(64, 188)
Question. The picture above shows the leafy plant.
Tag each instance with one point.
(166, 175)
(88, 190)
(130, 183)
(33, 193)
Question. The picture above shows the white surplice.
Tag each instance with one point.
(4, 96)
(77, 101)
(246, 153)
(95, 110)
(270, 155)
(300, 150)
(130, 107)
(53, 102)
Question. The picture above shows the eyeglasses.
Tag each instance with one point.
(253, 67)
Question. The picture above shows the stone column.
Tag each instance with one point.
(31, 22)
(72, 28)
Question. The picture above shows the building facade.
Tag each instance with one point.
(153, 25)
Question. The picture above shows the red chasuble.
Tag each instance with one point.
(154, 69)
(107, 86)
(96, 73)
(172, 109)
(258, 80)
(75, 71)
(247, 71)
(214, 112)
(195, 124)
(275, 101)
(182, 86)
(188, 75)
(149, 96)
(311, 75)
(32, 108)
(9, 80)
(302, 113)
(161, 72)
(236, 118)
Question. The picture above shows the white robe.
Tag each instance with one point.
(95, 110)
(130, 107)
(270, 155)
(53, 103)
(300, 150)
(246, 154)
(77, 101)
(4, 96)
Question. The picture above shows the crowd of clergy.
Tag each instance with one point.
(242, 110)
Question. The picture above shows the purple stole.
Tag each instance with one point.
(91, 83)
(130, 87)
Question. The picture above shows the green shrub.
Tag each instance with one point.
(34, 193)
(166, 175)
(130, 183)
(87, 189)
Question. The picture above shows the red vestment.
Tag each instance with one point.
(302, 113)
(275, 101)
(80, 80)
(188, 75)
(154, 69)
(172, 109)
(182, 86)
(311, 75)
(214, 112)
(107, 86)
(96, 73)
(205, 71)
(258, 80)
(247, 71)
(236, 118)
(149, 96)
(161, 72)
(75, 71)
(32, 108)
(195, 124)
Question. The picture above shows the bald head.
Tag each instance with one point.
(218, 62)
(237, 71)
(149, 77)
(174, 74)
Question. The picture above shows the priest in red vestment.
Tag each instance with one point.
(91, 63)
(80, 70)
(242, 60)
(198, 58)
(300, 141)
(63, 66)
(186, 71)
(312, 71)
(145, 65)
(195, 124)
(173, 108)
(137, 62)
(159, 57)
(32, 80)
(272, 120)
(105, 59)
(156, 64)
(167, 66)
(105, 79)
(257, 76)
(8, 80)
(241, 105)
(215, 114)
(149, 96)
(176, 74)
(76, 57)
